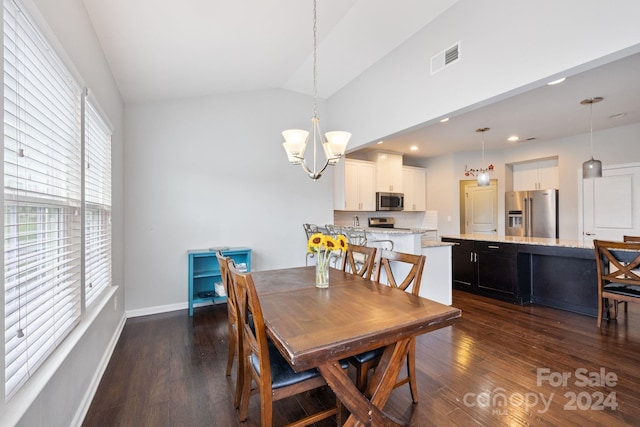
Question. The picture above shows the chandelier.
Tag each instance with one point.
(297, 140)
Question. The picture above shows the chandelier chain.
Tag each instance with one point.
(315, 60)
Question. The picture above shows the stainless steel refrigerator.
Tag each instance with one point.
(532, 213)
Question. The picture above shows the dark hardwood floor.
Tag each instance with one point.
(499, 365)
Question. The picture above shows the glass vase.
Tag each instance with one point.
(322, 271)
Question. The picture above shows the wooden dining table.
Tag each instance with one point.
(316, 328)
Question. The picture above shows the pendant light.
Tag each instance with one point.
(483, 175)
(296, 140)
(591, 168)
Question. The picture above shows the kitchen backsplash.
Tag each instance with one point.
(426, 220)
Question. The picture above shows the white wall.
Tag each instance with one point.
(506, 47)
(211, 171)
(60, 391)
(612, 146)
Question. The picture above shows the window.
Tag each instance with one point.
(43, 209)
(97, 212)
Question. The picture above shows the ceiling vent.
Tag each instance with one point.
(445, 58)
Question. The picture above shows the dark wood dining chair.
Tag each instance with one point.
(383, 273)
(359, 260)
(264, 365)
(618, 270)
(235, 339)
(625, 238)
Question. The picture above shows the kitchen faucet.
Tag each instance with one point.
(356, 221)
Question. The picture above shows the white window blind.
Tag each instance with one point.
(97, 185)
(42, 247)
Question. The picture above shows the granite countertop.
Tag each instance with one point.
(399, 230)
(435, 244)
(565, 243)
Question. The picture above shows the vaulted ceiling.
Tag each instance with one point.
(161, 49)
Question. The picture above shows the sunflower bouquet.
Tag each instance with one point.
(324, 246)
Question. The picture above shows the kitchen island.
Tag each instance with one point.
(557, 273)
(436, 276)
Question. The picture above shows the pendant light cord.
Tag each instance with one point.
(591, 127)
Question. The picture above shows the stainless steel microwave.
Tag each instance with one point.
(389, 201)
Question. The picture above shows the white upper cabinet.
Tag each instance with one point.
(354, 189)
(414, 185)
(388, 171)
(536, 175)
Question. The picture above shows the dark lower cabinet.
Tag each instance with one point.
(497, 267)
(463, 264)
(556, 276)
(487, 268)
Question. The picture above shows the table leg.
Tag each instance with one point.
(364, 411)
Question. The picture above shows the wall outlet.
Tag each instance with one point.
(449, 218)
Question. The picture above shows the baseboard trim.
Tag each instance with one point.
(156, 309)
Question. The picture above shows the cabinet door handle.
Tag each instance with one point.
(493, 247)
(470, 256)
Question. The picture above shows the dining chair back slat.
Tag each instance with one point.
(359, 260)
(385, 260)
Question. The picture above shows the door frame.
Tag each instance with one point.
(463, 200)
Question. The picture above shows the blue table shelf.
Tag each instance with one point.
(204, 273)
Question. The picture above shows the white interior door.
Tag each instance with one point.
(610, 206)
(481, 209)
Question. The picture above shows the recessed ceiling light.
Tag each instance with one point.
(615, 116)
(414, 148)
(446, 119)
(380, 142)
(555, 82)
(513, 138)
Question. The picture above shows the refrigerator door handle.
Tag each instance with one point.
(528, 231)
(525, 208)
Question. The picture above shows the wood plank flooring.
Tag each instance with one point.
(499, 365)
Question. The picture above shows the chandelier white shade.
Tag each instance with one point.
(296, 141)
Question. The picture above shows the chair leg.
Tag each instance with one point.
(362, 372)
(266, 405)
(599, 322)
(246, 391)
(232, 349)
(411, 370)
(240, 374)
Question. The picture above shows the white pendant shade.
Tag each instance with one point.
(292, 159)
(336, 144)
(294, 142)
(483, 179)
